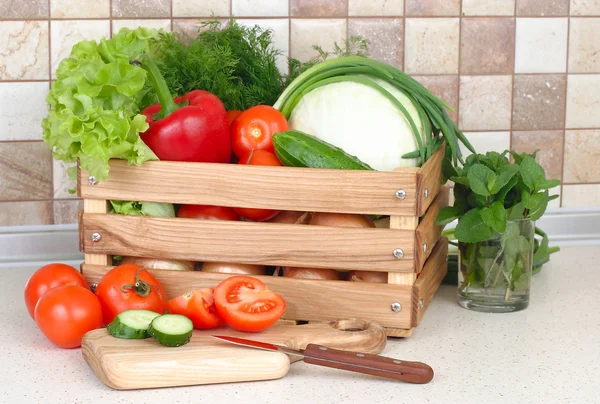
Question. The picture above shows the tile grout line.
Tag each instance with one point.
(49, 88)
(289, 17)
(347, 18)
(404, 36)
(460, 22)
(110, 19)
(564, 139)
(171, 15)
(513, 80)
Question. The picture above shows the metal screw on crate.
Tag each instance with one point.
(398, 253)
(96, 237)
(92, 180)
(400, 194)
(424, 247)
(421, 303)
(396, 307)
(426, 193)
(93, 287)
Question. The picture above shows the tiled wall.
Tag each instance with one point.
(521, 73)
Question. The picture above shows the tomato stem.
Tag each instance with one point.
(160, 86)
(141, 287)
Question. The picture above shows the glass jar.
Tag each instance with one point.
(495, 274)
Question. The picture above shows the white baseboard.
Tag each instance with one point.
(23, 245)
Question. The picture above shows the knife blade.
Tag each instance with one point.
(375, 365)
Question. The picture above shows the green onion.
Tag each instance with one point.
(432, 111)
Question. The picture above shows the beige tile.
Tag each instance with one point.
(488, 7)
(542, 8)
(585, 7)
(485, 102)
(309, 32)
(582, 156)
(281, 36)
(318, 8)
(428, 8)
(25, 213)
(141, 8)
(487, 45)
(61, 181)
(191, 26)
(24, 9)
(26, 169)
(133, 24)
(375, 8)
(541, 45)
(260, 8)
(204, 8)
(67, 33)
(539, 102)
(384, 36)
(66, 211)
(23, 50)
(584, 45)
(550, 145)
(22, 108)
(443, 87)
(577, 196)
(74, 9)
(431, 46)
(583, 101)
(484, 142)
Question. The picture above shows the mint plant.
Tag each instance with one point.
(493, 197)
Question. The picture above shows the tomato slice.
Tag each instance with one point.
(199, 306)
(245, 304)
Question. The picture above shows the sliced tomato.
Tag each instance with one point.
(245, 304)
(207, 212)
(199, 306)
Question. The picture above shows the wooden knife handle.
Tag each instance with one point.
(412, 372)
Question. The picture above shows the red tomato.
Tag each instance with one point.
(64, 314)
(129, 287)
(48, 277)
(258, 158)
(232, 114)
(199, 306)
(207, 212)
(253, 129)
(245, 304)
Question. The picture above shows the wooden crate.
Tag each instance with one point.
(411, 250)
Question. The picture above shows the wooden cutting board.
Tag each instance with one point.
(140, 364)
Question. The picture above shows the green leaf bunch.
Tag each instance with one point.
(490, 191)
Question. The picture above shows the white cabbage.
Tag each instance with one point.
(361, 121)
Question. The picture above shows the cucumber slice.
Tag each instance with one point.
(171, 329)
(132, 324)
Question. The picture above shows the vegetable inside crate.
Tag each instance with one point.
(410, 249)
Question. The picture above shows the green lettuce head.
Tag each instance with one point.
(94, 103)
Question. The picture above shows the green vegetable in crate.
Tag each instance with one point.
(370, 110)
(94, 104)
(298, 149)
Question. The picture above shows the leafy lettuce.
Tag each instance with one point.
(94, 113)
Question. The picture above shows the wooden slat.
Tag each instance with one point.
(248, 242)
(428, 232)
(93, 206)
(429, 177)
(430, 279)
(285, 188)
(313, 300)
(403, 223)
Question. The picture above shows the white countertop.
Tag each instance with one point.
(548, 353)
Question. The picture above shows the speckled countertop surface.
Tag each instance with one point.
(548, 353)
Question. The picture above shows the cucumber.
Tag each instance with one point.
(171, 329)
(298, 149)
(132, 324)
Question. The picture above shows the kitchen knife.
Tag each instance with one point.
(375, 365)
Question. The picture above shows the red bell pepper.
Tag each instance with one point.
(192, 127)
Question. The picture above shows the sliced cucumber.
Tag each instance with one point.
(171, 329)
(132, 324)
